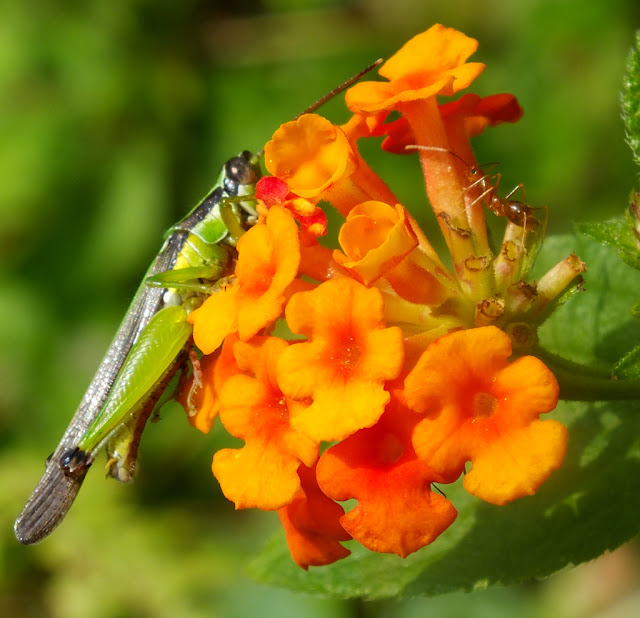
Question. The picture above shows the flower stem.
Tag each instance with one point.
(582, 383)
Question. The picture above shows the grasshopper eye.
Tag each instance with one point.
(239, 169)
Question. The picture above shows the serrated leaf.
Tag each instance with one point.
(630, 99)
(628, 367)
(616, 233)
(573, 518)
(584, 509)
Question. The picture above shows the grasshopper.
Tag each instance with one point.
(149, 347)
(152, 343)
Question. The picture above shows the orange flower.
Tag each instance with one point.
(480, 112)
(269, 256)
(480, 408)
(309, 154)
(317, 161)
(400, 364)
(397, 512)
(263, 473)
(375, 238)
(379, 241)
(346, 361)
(312, 524)
(433, 62)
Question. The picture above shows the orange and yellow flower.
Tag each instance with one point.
(318, 162)
(269, 256)
(431, 63)
(480, 408)
(379, 467)
(342, 367)
(405, 368)
(263, 473)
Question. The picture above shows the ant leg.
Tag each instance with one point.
(494, 180)
(488, 185)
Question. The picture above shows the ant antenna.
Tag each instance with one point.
(515, 211)
(437, 149)
(352, 80)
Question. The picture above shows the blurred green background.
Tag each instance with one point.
(115, 118)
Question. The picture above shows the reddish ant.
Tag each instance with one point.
(515, 211)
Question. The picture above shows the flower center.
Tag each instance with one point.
(349, 355)
(390, 449)
(483, 405)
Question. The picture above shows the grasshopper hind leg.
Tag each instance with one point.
(48, 504)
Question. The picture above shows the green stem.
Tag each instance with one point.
(581, 383)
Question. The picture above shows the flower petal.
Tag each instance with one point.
(263, 473)
(269, 256)
(479, 408)
(431, 63)
(345, 362)
(312, 525)
(397, 512)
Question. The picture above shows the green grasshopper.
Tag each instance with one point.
(149, 347)
(152, 343)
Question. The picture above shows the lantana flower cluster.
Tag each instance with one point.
(379, 370)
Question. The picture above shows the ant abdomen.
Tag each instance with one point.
(517, 212)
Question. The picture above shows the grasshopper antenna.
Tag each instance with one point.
(320, 102)
(352, 80)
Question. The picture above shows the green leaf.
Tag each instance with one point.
(628, 366)
(630, 99)
(587, 507)
(595, 328)
(617, 233)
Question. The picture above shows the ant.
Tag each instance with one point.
(515, 211)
